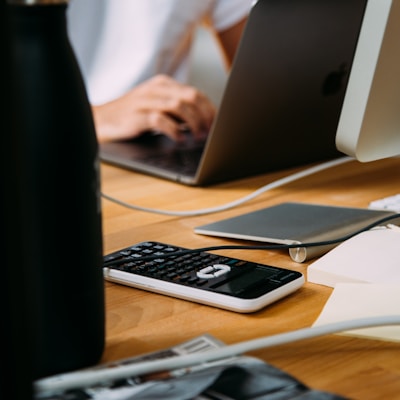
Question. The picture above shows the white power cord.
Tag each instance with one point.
(270, 186)
(86, 378)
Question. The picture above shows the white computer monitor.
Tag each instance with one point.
(369, 124)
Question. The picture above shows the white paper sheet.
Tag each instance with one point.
(361, 300)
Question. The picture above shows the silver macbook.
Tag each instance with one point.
(281, 104)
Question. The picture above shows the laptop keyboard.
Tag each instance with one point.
(184, 159)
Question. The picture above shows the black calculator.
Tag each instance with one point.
(199, 276)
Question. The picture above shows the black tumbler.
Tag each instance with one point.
(59, 191)
(15, 364)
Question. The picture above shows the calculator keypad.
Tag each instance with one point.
(198, 269)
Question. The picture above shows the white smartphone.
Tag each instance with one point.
(202, 277)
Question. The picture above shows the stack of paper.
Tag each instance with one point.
(370, 257)
(354, 300)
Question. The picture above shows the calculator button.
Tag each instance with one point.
(213, 271)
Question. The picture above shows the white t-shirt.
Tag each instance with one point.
(120, 43)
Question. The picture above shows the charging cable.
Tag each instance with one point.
(280, 246)
(270, 186)
(87, 378)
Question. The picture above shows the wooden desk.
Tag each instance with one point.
(139, 321)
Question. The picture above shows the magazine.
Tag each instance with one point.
(236, 377)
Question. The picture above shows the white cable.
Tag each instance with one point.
(86, 378)
(235, 203)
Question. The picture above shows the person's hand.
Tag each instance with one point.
(161, 105)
